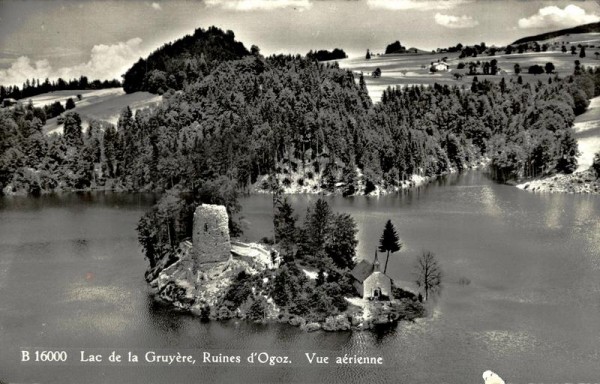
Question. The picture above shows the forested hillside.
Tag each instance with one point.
(289, 120)
(586, 28)
(183, 61)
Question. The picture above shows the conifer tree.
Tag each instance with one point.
(285, 224)
(72, 130)
(317, 222)
(389, 242)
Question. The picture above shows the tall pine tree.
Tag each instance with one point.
(389, 242)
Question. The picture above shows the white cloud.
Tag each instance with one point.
(252, 5)
(23, 69)
(455, 22)
(156, 6)
(106, 62)
(421, 5)
(553, 16)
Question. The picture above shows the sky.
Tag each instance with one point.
(101, 39)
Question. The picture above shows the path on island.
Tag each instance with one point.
(587, 133)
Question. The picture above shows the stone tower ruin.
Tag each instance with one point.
(210, 238)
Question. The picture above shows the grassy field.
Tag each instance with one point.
(102, 104)
(587, 132)
(413, 69)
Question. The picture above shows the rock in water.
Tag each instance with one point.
(211, 235)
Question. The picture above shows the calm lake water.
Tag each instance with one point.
(71, 277)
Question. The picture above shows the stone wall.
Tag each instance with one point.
(210, 238)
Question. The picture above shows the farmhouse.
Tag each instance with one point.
(8, 102)
(370, 282)
(439, 66)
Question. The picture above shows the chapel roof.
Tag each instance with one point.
(362, 270)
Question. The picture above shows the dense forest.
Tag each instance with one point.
(184, 61)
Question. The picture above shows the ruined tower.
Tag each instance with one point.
(210, 238)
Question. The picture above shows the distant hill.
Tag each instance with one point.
(183, 61)
(587, 28)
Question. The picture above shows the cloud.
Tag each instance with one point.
(421, 5)
(455, 22)
(553, 16)
(265, 5)
(23, 69)
(106, 62)
(156, 6)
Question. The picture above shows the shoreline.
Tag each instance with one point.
(584, 182)
(414, 181)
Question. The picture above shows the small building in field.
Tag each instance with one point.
(9, 102)
(370, 282)
(439, 66)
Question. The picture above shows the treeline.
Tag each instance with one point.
(184, 61)
(34, 87)
(325, 55)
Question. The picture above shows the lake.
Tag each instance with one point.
(521, 291)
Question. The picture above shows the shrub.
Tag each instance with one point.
(287, 182)
(536, 70)
(596, 165)
(70, 103)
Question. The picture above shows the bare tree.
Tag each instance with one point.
(428, 273)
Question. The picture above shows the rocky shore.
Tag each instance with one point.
(580, 182)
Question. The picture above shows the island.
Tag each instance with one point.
(216, 277)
